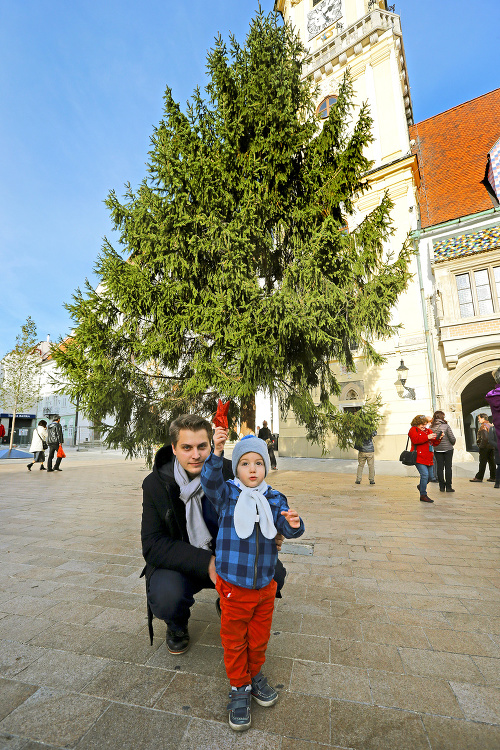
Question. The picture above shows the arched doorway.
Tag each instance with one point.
(473, 402)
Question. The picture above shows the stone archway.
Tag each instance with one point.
(468, 384)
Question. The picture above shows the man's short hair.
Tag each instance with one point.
(496, 375)
(191, 422)
(483, 415)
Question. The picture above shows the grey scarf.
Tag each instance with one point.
(191, 493)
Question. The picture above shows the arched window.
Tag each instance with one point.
(351, 395)
(325, 106)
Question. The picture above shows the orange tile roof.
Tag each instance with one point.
(452, 150)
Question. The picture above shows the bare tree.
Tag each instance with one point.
(19, 386)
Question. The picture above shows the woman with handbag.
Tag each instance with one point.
(444, 451)
(39, 445)
(421, 438)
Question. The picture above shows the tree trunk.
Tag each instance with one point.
(247, 416)
(13, 426)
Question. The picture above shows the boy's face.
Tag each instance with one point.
(192, 449)
(251, 469)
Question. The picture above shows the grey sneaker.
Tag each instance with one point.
(263, 693)
(240, 717)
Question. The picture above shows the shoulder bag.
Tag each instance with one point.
(44, 444)
(408, 458)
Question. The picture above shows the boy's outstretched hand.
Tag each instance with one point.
(220, 437)
(292, 517)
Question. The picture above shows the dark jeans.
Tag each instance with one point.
(425, 475)
(272, 457)
(171, 594)
(486, 457)
(52, 451)
(444, 460)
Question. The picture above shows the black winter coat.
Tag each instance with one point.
(164, 537)
(55, 434)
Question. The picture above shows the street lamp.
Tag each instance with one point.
(403, 390)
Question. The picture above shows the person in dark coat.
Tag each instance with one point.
(494, 442)
(493, 398)
(266, 435)
(486, 452)
(55, 438)
(179, 528)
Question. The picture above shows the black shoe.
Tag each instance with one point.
(28, 466)
(477, 480)
(42, 468)
(434, 480)
(240, 717)
(217, 606)
(496, 485)
(372, 482)
(358, 481)
(263, 693)
(425, 499)
(50, 469)
(488, 480)
(177, 641)
(57, 469)
(450, 489)
(442, 489)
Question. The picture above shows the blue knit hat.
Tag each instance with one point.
(250, 444)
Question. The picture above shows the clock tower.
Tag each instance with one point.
(365, 37)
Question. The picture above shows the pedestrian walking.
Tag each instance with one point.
(486, 450)
(421, 437)
(55, 439)
(366, 454)
(267, 436)
(250, 513)
(443, 450)
(39, 445)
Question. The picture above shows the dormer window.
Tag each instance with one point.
(325, 106)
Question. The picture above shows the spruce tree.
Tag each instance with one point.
(236, 272)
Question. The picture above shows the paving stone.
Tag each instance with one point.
(194, 695)
(30, 606)
(76, 638)
(478, 703)
(395, 635)
(14, 657)
(471, 623)
(124, 647)
(133, 728)
(476, 644)
(12, 694)
(367, 655)
(124, 621)
(130, 683)
(452, 734)
(372, 728)
(303, 716)
(421, 694)
(211, 735)
(62, 669)
(73, 612)
(23, 629)
(330, 680)
(338, 628)
(54, 716)
(299, 646)
(490, 668)
(199, 659)
(440, 664)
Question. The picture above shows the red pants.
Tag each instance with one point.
(247, 615)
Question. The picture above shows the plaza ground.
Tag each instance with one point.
(387, 637)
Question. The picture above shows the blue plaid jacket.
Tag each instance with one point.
(248, 563)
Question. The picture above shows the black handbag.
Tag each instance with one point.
(408, 458)
(44, 444)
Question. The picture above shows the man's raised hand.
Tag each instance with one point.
(220, 437)
(292, 517)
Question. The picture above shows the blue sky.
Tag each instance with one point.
(81, 87)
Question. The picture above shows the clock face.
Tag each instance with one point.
(323, 15)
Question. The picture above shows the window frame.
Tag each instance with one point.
(328, 106)
(495, 295)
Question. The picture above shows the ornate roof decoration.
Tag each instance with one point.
(494, 169)
(467, 244)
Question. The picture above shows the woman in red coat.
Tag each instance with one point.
(420, 437)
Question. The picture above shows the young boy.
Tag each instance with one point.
(250, 515)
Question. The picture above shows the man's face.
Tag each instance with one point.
(192, 449)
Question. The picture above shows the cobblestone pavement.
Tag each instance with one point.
(387, 638)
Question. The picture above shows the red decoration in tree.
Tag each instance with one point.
(220, 419)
